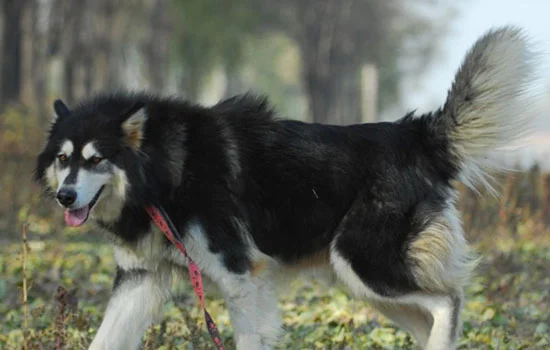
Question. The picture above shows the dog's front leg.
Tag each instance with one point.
(137, 298)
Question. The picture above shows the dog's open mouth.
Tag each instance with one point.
(77, 217)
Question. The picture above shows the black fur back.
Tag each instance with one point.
(245, 173)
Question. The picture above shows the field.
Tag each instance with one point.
(66, 277)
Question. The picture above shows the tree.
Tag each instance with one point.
(336, 37)
(92, 39)
(155, 48)
(11, 50)
(208, 33)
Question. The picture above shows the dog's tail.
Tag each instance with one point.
(486, 106)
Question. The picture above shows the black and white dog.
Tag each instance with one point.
(258, 197)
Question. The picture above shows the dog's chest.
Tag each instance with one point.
(147, 252)
(152, 249)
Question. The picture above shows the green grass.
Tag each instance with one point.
(507, 303)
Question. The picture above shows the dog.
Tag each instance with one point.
(257, 197)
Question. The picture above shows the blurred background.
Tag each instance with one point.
(330, 61)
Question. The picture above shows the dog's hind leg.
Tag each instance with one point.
(413, 269)
(411, 317)
(445, 312)
(441, 263)
(434, 320)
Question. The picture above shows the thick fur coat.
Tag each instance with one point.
(257, 197)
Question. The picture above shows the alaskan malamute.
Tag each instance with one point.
(257, 197)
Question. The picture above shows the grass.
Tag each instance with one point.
(507, 306)
(55, 287)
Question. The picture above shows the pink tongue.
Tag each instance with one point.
(76, 217)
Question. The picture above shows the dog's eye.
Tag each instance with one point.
(95, 160)
(62, 158)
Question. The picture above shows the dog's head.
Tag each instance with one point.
(83, 163)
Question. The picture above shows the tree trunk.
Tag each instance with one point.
(330, 72)
(156, 48)
(88, 83)
(333, 98)
(190, 85)
(38, 64)
(72, 47)
(546, 198)
(369, 93)
(235, 85)
(68, 80)
(321, 98)
(11, 51)
(349, 97)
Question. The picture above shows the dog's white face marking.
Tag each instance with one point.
(89, 151)
(67, 148)
(56, 174)
(90, 181)
(88, 184)
(61, 174)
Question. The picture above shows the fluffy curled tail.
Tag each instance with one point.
(486, 108)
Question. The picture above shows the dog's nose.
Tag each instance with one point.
(66, 196)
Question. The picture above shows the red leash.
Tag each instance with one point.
(159, 216)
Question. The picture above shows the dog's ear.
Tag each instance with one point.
(133, 123)
(60, 110)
